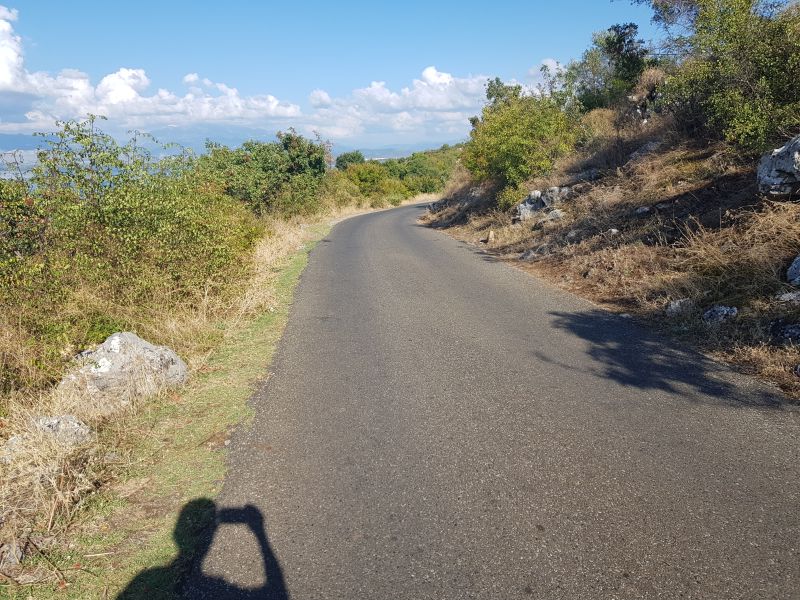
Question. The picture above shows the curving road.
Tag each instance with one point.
(438, 425)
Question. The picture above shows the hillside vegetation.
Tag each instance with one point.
(106, 237)
(187, 251)
(655, 150)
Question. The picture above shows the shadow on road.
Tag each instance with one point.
(194, 533)
(635, 357)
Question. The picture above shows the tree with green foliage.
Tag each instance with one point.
(282, 176)
(610, 68)
(346, 159)
(739, 79)
(424, 172)
(498, 93)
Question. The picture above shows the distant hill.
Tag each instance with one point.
(195, 138)
(395, 151)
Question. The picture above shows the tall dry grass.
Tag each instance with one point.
(48, 483)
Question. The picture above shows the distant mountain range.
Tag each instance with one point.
(396, 151)
(195, 138)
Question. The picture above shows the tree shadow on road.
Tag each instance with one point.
(634, 357)
(194, 533)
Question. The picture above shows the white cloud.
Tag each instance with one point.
(123, 95)
(319, 98)
(435, 91)
(437, 105)
(124, 86)
(11, 68)
(8, 14)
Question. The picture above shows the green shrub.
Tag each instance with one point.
(22, 228)
(739, 81)
(609, 69)
(102, 236)
(346, 159)
(425, 172)
(518, 139)
(299, 196)
(510, 196)
(374, 179)
(338, 190)
(112, 208)
(282, 176)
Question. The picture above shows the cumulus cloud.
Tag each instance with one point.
(124, 86)
(8, 14)
(435, 91)
(124, 95)
(437, 104)
(319, 98)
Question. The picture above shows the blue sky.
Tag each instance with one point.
(362, 74)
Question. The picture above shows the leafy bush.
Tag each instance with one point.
(103, 232)
(346, 159)
(338, 190)
(610, 68)
(739, 80)
(518, 138)
(511, 196)
(22, 228)
(374, 180)
(421, 173)
(425, 172)
(368, 177)
(282, 176)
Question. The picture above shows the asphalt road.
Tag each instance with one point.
(440, 425)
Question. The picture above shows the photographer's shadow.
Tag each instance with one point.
(194, 533)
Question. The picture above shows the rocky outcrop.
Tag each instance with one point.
(679, 307)
(473, 196)
(791, 333)
(793, 272)
(779, 170)
(533, 253)
(538, 201)
(719, 314)
(789, 297)
(124, 367)
(65, 431)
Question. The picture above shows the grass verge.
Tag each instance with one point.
(170, 452)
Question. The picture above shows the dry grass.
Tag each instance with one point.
(689, 224)
(649, 81)
(43, 486)
(47, 483)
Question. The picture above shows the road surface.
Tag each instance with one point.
(439, 425)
